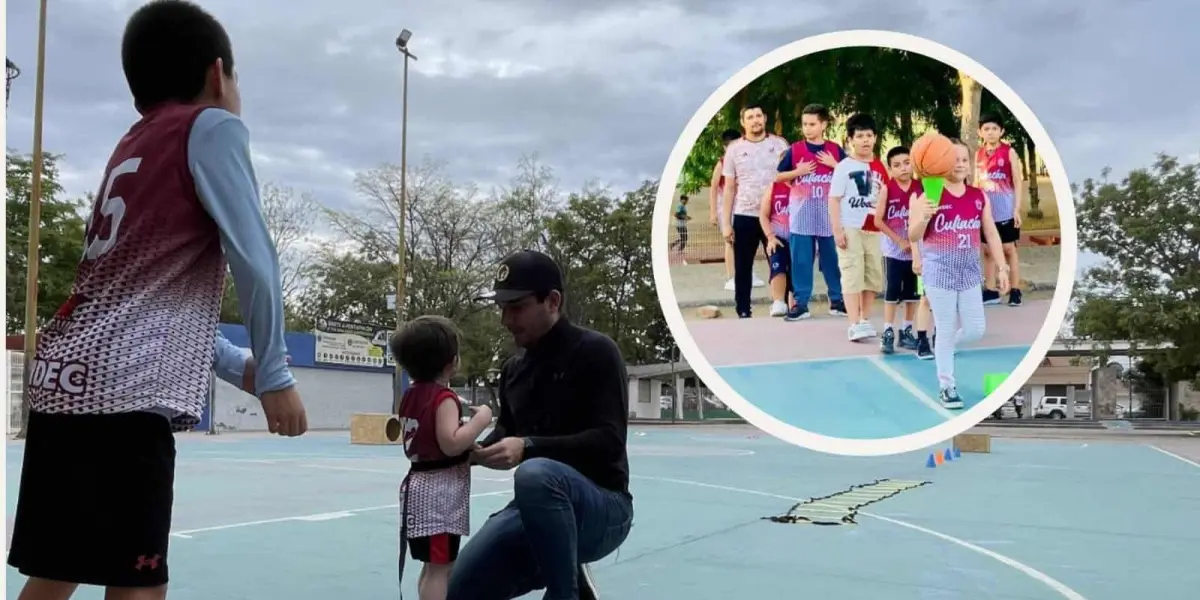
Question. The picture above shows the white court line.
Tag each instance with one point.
(385, 471)
(912, 388)
(772, 363)
(187, 533)
(1025, 569)
(1176, 456)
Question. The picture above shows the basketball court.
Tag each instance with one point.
(315, 518)
(808, 375)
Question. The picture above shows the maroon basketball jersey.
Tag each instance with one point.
(418, 419)
(136, 333)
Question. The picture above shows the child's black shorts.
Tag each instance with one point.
(901, 283)
(440, 549)
(95, 498)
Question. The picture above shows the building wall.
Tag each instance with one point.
(331, 393)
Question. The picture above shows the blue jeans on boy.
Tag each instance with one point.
(806, 249)
(557, 520)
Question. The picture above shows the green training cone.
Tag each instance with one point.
(933, 188)
(992, 381)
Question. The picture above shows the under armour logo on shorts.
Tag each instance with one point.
(144, 561)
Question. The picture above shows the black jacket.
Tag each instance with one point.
(569, 394)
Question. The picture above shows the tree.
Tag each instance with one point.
(290, 219)
(1147, 227)
(601, 243)
(907, 93)
(60, 240)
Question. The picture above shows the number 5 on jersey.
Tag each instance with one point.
(108, 206)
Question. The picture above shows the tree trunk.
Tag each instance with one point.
(972, 96)
(906, 128)
(1031, 178)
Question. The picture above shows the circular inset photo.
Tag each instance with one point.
(864, 243)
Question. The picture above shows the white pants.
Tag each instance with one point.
(958, 312)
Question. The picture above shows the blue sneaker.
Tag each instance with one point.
(887, 342)
(797, 313)
(908, 341)
(950, 398)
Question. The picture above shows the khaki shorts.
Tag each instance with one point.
(861, 262)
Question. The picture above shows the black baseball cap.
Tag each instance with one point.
(522, 274)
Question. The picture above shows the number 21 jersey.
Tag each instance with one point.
(950, 248)
(136, 334)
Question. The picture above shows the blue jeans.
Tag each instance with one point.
(805, 250)
(557, 520)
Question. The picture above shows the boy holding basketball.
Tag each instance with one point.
(999, 174)
(891, 217)
(855, 190)
(435, 503)
(950, 233)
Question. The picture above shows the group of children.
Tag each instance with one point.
(870, 229)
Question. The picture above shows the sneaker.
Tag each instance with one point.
(797, 313)
(868, 328)
(779, 308)
(1014, 297)
(857, 333)
(887, 344)
(950, 398)
(924, 350)
(907, 340)
(744, 315)
(991, 297)
(758, 282)
(729, 286)
(587, 584)
(837, 308)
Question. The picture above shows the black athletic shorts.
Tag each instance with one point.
(1009, 232)
(900, 281)
(94, 503)
(440, 549)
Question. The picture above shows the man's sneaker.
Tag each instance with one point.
(924, 350)
(907, 340)
(797, 313)
(837, 308)
(744, 315)
(1014, 297)
(991, 297)
(756, 282)
(887, 344)
(857, 332)
(587, 584)
(950, 398)
(779, 308)
(730, 286)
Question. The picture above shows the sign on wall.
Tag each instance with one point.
(351, 344)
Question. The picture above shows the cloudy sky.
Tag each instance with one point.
(600, 90)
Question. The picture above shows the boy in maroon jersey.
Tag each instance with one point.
(436, 492)
(127, 360)
(998, 172)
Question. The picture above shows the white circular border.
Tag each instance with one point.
(844, 446)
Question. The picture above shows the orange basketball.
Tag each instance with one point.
(934, 155)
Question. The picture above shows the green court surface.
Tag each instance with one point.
(315, 518)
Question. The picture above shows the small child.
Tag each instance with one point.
(681, 227)
(857, 187)
(435, 495)
(900, 287)
(773, 218)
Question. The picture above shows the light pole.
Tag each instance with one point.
(402, 46)
(35, 221)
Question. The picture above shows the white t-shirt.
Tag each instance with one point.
(753, 166)
(858, 185)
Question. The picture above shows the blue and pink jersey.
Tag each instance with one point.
(895, 216)
(808, 210)
(996, 179)
(950, 248)
(780, 207)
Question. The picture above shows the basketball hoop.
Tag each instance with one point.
(11, 72)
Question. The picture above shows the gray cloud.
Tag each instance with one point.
(599, 90)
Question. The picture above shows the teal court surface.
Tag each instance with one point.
(808, 375)
(315, 518)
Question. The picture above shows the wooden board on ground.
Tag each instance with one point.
(980, 443)
(375, 429)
